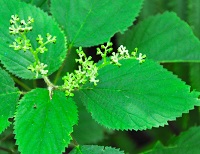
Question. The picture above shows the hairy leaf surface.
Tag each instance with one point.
(92, 22)
(164, 38)
(9, 96)
(18, 61)
(43, 125)
(86, 149)
(137, 96)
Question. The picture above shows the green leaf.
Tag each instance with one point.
(85, 149)
(9, 96)
(195, 76)
(194, 16)
(93, 22)
(81, 133)
(164, 38)
(43, 4)
(187, 143)
(43, 125)
(7, 142)
(136, 96)
(18, 61)
(178, 6)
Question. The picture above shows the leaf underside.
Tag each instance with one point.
(136, 96)
(18, 61)
(43, 125)
(93, 22)
(9, 96)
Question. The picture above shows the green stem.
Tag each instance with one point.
(61, 68)
(48, 82)
(59, 72)
(21, 84)
(5, 149)
(103, 65)
(34, 83)
(74, 141)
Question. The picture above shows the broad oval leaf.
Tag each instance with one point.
(92, 22)
(9, 96)
(164, 38)
(43, 125)
(18, 61)
(136, 96)
(95, 149)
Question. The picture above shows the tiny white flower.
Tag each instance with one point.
(115, 58)
(141, 58)
(123, 52)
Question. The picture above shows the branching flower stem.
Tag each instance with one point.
(50, 85)
(87, 69)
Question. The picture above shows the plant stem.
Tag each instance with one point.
(61, 68)
(48, 82)
(21, 84)
(5, 149)
(74, 141)
(59, 72)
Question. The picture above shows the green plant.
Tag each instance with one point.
(127, 90)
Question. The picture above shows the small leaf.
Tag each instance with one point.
(18, 61)
(93, 22)
(164, 38)
(136, 96)
(86, 149)
(43, 125)
(9, 96)
(187, 143)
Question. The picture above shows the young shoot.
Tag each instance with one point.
(20, 28)
(87, 71)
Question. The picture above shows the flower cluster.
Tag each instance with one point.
(38, 68)
(49, 39)
(106, 50)
(123, 53)
(19, 28)
(87, 70)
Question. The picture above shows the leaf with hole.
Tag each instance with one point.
(44, 125)
(9, 96)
